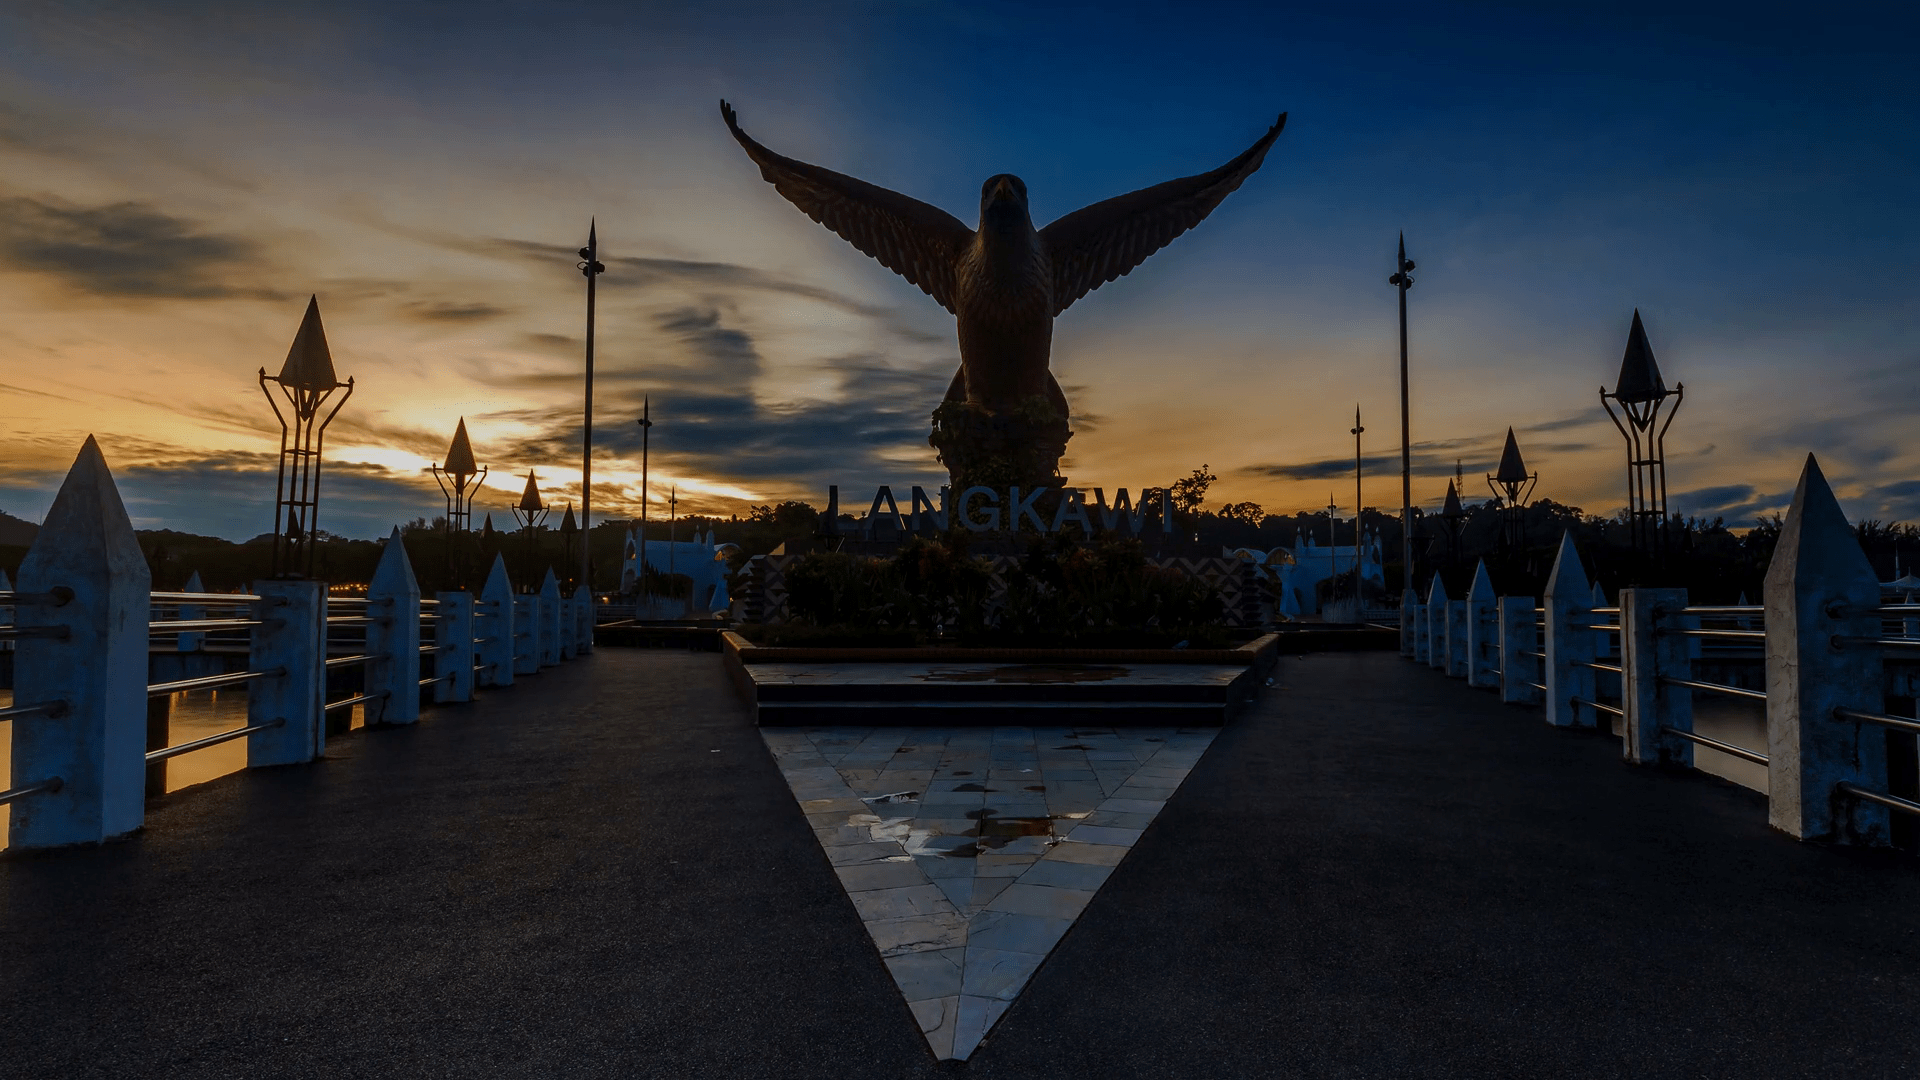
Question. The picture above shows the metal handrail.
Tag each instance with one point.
(50, 786)
(1884, 643)
(1892, 802)
(1600, 705)
(1727, 748)
(485, 640)
(1732, 611)
(1729, 635)
(1595, 665)
(1599, 611)
(57, 633)
(436, 679)
(361, 700)
(53, 709)
(58, 596)
(357, 620)
(1713, 688)
(187, 626)
(212, 740)
(209, 682)
(1535, 653)
(204, 598)
(1898, 609)
(1538, 686)
(1601, 626)
(436, 648)
(1902, 723)
(349, 661)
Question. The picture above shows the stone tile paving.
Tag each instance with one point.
(969, 852)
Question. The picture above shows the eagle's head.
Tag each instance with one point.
(1003, 201)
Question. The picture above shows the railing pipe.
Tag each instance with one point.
(212, 682)
(211, 740)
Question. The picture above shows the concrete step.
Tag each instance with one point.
(947, 712)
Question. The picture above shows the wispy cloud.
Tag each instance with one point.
(126, 249)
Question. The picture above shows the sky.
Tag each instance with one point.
(177, 179)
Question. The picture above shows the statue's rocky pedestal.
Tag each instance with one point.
(1020, 448)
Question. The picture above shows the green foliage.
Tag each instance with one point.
(1190, 492)
(1059, 594)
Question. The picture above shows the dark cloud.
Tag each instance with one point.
(1429, 459)
(1740, 504)
(127, 249)
(1571, 420)
(448, 311)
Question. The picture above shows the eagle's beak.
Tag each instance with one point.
(1003, 190)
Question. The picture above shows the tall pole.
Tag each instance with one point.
(646, 434)
(592, 268)
(1357, 429)
(1403, 280)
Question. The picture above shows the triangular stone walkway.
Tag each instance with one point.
(969, 852)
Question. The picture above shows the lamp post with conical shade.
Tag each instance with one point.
(459, 478)
(306, 382)
(531, 513)
(1512, 484)
(1641, 395)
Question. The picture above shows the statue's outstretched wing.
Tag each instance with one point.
(919, 242)
(1098, 243)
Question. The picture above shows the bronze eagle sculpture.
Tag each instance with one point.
(1006, 281)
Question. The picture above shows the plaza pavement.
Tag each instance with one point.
(601, 872)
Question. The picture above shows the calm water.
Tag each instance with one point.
(196, 714)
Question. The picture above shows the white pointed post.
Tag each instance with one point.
(1483, 631)
(393, 635)
(6, 612)
(1422, 633)
(453, 660)
(550, 620)
(527, 626)
(583, 616)
(1437, 623)
(494, 631)
(1519, 667)
(1569, 644)
(1457, 638)
(1820, 591)
(82, 608)
(289, 706)
(192, 640)
(568, 626)
(1651, 651)
(1409, 603)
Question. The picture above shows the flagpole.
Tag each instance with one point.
(591, 267)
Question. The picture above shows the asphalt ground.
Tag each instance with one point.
(600, 872)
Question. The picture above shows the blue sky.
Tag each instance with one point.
(174, 180)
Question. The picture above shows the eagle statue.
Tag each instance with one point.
(1004, 282)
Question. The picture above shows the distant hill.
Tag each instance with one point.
(16, 532)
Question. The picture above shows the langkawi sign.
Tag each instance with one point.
(985, 509)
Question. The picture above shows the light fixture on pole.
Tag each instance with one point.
(307, 381)
(591, 268)
(1402, 279)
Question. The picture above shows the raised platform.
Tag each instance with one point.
(949, 687)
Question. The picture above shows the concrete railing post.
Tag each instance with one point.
(1483, 631)
(583, 604)
(453, 634)
(497, 635)
(1409, 608)
(292, 635)
(393, 634)
(1820, 589)
(192, 640)
(550, 621)
(1422, 635)
(1569, 644)
(1649, 651)
(526, 635)
(1519, 672)
(1437, 623)
(87, 585)
(1456, 639)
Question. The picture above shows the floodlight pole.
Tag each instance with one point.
(1357, 429)
(591, 268)
(1403, 280)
